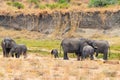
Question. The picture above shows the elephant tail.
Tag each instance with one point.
(109, 52)
(60, 49)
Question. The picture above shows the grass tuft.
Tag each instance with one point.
(16, 4)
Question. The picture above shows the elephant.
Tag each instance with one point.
(54, 52)
(73, 45)
(6, 44)
(88, 51)
(19, 49)
(102, 47)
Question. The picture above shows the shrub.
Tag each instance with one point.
(62, 1)
(118, 1)
(34, 1)
(41, 6)
(16, 4)
(64, 5)
(57, 5)
(52, 6)
(101, 3)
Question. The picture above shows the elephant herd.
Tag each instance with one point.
(82, 47)
(10, 48)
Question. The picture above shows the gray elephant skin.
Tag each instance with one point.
(54, 52)
(102, 47)
(19, 49)
(6, 44)
(73, 45)
(88, 51)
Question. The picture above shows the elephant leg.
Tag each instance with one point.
(83, 56)
(12, 54)
(56, 55)
(25, 54)
(17, 55)
(96, 54)
(78, 56)
(91, 57)
(65, 56)
(105, 56)
(4, 51)
(7, 52)
(4, 54)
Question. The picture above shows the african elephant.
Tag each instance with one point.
(19, 49)
(55, 53)
(88, 51)
(102, 47)
(73, 45)
(6, 44)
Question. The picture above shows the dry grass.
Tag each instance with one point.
(39, 67)
(36, 67)
(20, 34)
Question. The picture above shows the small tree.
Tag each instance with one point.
(101, 3)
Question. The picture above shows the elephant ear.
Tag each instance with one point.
(52, 52)
(3, 42)
(94, 45)
(13, 41)
(15, 47)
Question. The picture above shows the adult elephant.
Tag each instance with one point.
(73, 45)
(102, 47)
(6, 44)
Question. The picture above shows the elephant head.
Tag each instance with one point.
(91, 43)
(100, 46)
(6, 44)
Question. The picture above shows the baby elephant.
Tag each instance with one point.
(88, 51)
(18, 49)
(55, 53)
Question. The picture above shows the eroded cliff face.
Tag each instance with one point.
(63, 22)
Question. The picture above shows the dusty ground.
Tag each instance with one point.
(37, 67)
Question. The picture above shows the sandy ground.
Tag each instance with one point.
(36, 67)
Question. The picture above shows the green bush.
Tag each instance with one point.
(52, 6)
(41, 6)
(118, 1)
(62, 1)
(16, 4)
(101, 3)
(57, 5)
(64, 5)
(34, 1)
